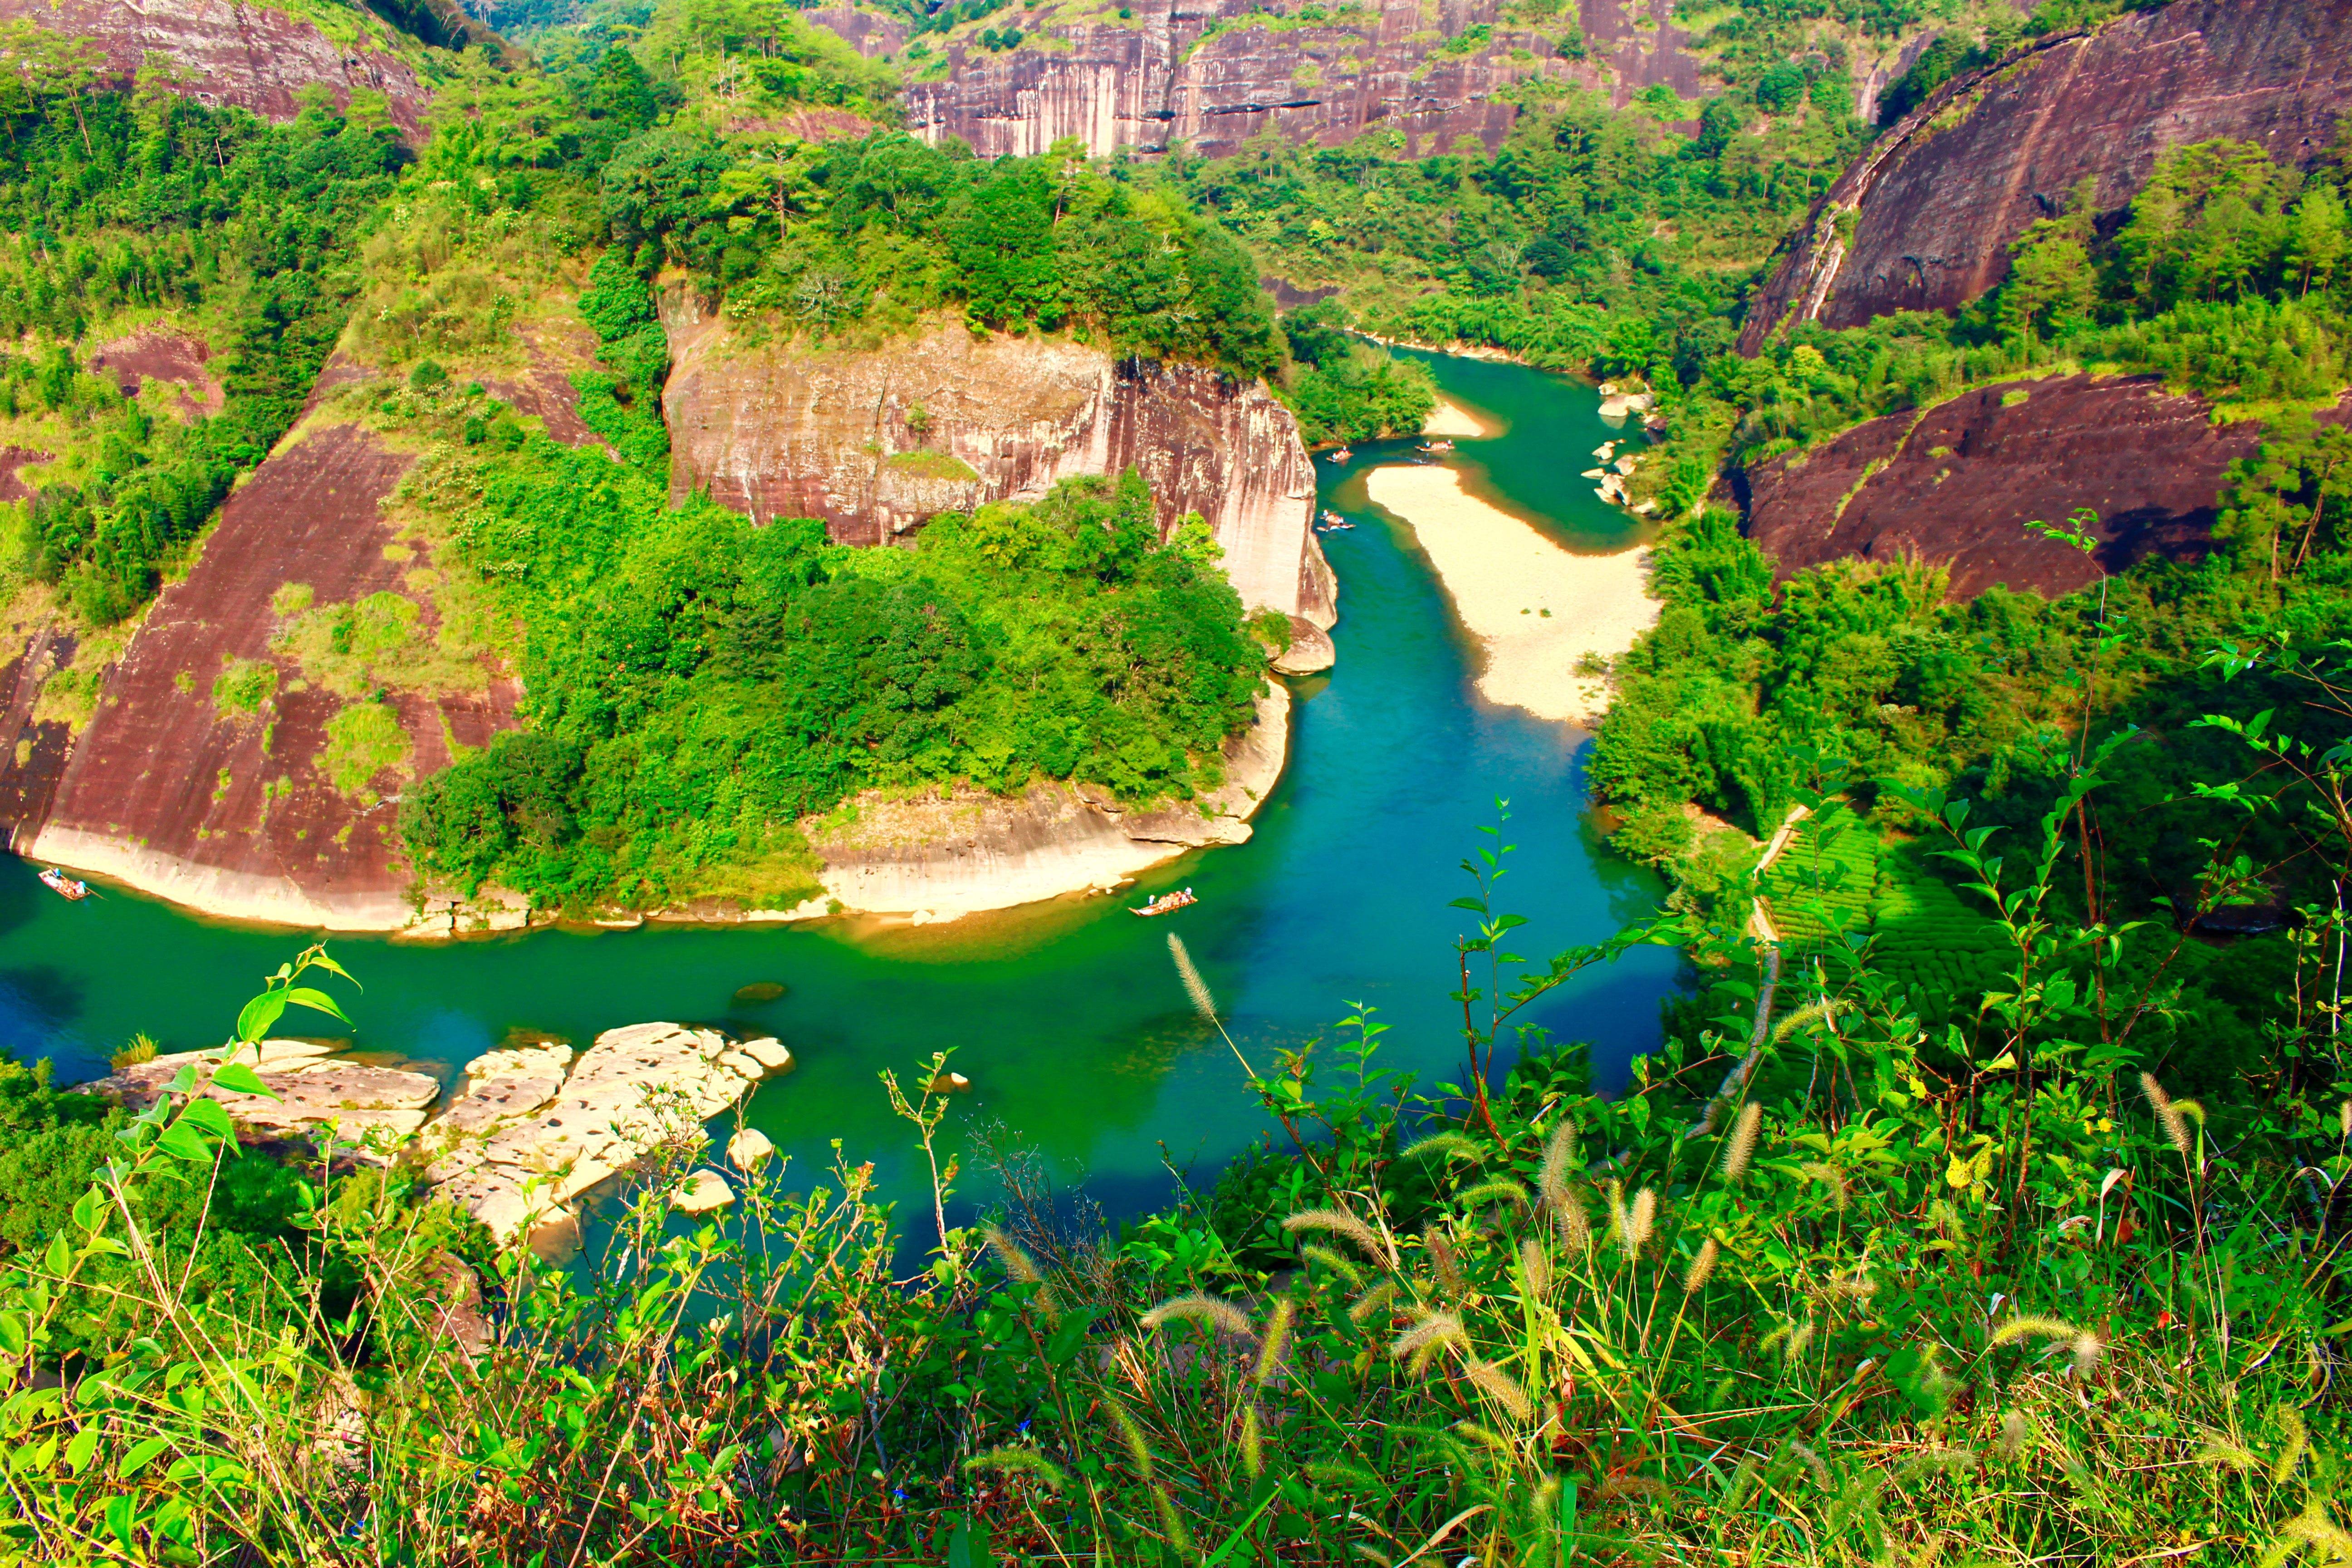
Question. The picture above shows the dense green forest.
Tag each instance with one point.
(1980, 1203)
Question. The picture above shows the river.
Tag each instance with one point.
(1067, 1016)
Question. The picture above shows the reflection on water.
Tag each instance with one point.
(1067, 1016)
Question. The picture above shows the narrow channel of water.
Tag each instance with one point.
(1067, 1016)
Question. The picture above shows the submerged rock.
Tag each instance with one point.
(748, 1149)
(759, 991)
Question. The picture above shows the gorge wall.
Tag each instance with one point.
(1211, 74)
(249, 811)
(1923, 221)
(254, 56)
(1956, 484)
(776, 429)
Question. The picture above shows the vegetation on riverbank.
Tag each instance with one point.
(1979, 1289)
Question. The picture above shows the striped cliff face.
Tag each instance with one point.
(876, 442)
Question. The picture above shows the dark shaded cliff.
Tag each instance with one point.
(1924, 220)
(876, 442)
(1211, 75)
(1956, 484)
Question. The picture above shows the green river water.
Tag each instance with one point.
(1067, 1016)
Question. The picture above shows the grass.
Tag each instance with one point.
(242, 687)
(365, 741)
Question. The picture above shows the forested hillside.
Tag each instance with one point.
(1981, 1202)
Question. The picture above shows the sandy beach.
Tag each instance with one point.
(1450, 418)
(1503, 575)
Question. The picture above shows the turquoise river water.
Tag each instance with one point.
(1068, 1015)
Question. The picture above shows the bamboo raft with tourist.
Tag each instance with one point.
(65, 887)
(1166, 903)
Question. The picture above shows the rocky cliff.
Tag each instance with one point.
(780, 430)
(1956, 484)
(1209, 74)
(1923, 221)
(264, 808)
(255, 56)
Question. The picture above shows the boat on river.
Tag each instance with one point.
(1341, 454)
(1165, 904)
(65, 887)
(1437, 446)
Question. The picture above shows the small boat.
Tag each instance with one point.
(1437, 446)
(1165, 904)
(64, 886)
(1332, 518)
(1341, 454)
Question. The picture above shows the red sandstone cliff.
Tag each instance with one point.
(786, 431)
(256, 56)
(1923, 221)
(1207, 76)
(1957, 484)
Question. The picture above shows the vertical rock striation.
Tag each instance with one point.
(222, 53)
(1924, 220)
(1210, 76)
(875, 442)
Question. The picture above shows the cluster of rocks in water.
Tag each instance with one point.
(528, 1128)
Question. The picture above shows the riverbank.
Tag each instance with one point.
(1449, 419)
(1536, 609)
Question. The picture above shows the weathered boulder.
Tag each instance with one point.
(1923, 221)
(1957, 484)
(701, 1193)
(777, 429)
(748, 1149)
(315, 1089)
(1311, 650)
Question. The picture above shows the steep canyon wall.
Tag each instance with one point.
(1924, 220)
(780, 430)
(1209, 74)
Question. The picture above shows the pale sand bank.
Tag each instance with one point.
(1450, 418)
(1495, 567)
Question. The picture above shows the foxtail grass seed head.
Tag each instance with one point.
(1702, 1267)
(1172, 1521)
(1799, 1338)
(2176, 1125)
(1560, 1155)
(1741, 1148)
(2028, 1326)
(1575, 1228)
(1372, 1300)
(1443, 1146)
(1338, 1222)
(1016, 1262)
(1441, 1259)
(1021, 1462)
(1535, 1267)
(2343, 1117)
(1619, 1220)
(2298, 1443)
(1194, 986)
(1253, 1442)
(2015, 1432)
(1276, 1343)
(1498, 1385)
(1130, 1431)
(1640, 1217)
(1220, 1315)
(2087, 1348)
(1830, 1176)
(1335, 1263)
(1434, 1331)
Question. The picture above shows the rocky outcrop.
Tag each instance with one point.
(254, 56)
(1208, 77)
(529, 1130)
(875, 442)
(1957, 484)
(1924, 220)
(938, 858)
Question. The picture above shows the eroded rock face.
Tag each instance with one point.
(776, 430)
(1211, 75)
(1957, 485)
(1924, 220)
(224, 53)
(529, 1131)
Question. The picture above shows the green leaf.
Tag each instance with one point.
(242, 1079)
(84, 1444)
(182, 1142)
(318, 1002)
(208, 1115)
(260, 1014)
(141, 1453)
